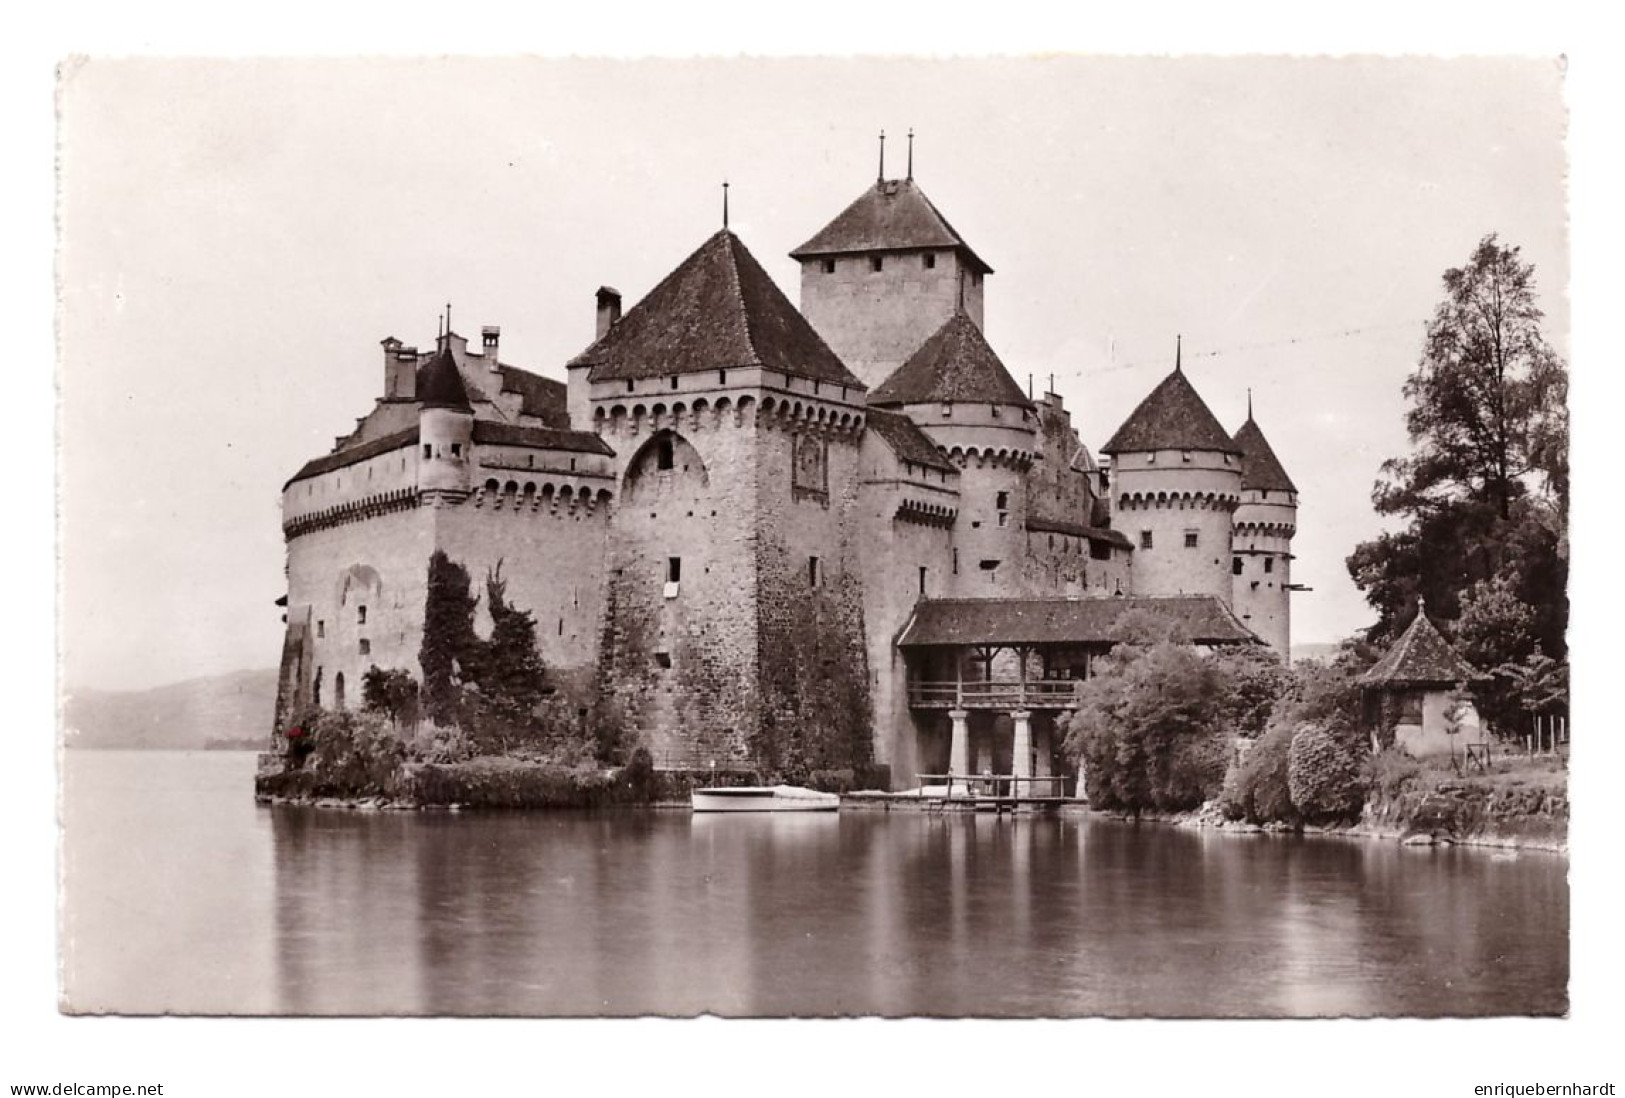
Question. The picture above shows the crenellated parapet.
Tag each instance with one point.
(547, 497)
(628, 420)
(926, 514)
(983, 457)
(360, 510)
(1177, 500)
(1284, 530)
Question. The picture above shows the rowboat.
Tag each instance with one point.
(764, 798)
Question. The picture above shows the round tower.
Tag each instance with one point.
(1175, 485)
(1261, 564)
(959, 393)
(445, 429)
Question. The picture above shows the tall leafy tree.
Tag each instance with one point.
(1485, 486)
(511, 670)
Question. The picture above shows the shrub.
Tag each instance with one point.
(354, 754)
(1323, 774)
(1389, 773)
(1258, 789)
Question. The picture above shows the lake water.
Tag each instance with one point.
(181, 894)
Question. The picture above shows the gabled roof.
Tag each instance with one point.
(542, 438)
(955, 364)
(1173, 417)
(717, 310)
(1202, 618)
(907, 441)
(1260, 468)
(892, 215)
(1420, 657)
(539, 396)
(440, 383)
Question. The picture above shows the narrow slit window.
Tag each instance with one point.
(361, 615)
(428, 450)
(876, 262)
(1269, 564)
(922, 579)
(663, 454)
(1235, 566)
(812, 572)
(930, 261)
(829, 266)
(674, 569)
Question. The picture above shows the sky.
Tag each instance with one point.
(237, 236)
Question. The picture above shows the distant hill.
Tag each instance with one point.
(1313, 651)
(231, 710)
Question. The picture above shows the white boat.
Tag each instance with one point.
(764, 798)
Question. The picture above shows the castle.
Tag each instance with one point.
(788, 538)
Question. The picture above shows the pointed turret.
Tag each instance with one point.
(956, 365)
(1173, 417)
(1265, 522)
(1176, 480)
(885, 274)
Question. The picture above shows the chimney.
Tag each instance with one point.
(490, 336)
(609, 309)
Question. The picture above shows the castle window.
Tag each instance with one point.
(1151, 459)
(1269, 564)
(674, 569)
(663, 454)
(457, 449)
(812, 572)
(991, 567)
(922, 579)
(572, 465)
(947, 407)
(994, 408)
(956, 562)
(1190, 539)
(365, 646)
(1185, 455)
(829, 266)
(1004, 519)
(338, 690)
(930, 261)
(663, 660)
(561, 627)
(1002, 501)
(428, 451)
(674, 381)
(1235, 566)
(530, 461)
(361, 615)
(316, 689)
(876, 262)
(321, 628)
(976, 278)
(1145, 539)
(722, 377)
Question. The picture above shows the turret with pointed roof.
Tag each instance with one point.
(885, 274)
(1265, 522)
(1175, 482)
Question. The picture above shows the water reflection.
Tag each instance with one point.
(819, 914)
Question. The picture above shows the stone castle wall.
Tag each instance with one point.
(1177, 494)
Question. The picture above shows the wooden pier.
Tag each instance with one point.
(993, 792)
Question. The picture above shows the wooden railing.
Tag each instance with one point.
(1035, 694)
(966, 788)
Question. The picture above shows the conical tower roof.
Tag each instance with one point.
(440, 383)
(1173, 417)
(955, 364)
(718, 309)
(1420, 657)
(891, 215)
(1260, 468)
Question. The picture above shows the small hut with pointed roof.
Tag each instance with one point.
(1411, 691)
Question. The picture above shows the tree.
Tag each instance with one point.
(510, 670)
(449, 641)
(1485, 488)
(1149, 729)
(393, 693)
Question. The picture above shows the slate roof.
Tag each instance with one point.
(954, 364)
(1039, 524)
(718, 309)
(543, 438)
(892, 215)
(1203, 618)
(1172, 417)
(907, 440)
(1421, 657)
(440, 383)
(1260, 468)
(328, 462)
(541, 397)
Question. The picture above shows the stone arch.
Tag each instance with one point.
(493, 485)
(529, 490)
(618, 412)
(678, 409)
(604, 497)
(658, 410)
(746, 405)
(358, 581)
(338, 690)
(598, 413)
(663, 464)
(511, 488)
(639, 411)
(723, 404)
(701, 405)
(768, 404)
